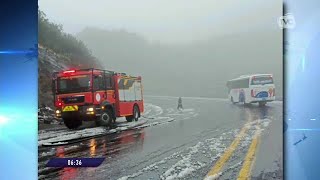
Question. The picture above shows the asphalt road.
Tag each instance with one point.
(210, 138)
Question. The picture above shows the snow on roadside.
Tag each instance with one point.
(149, 108)
(185, 166)
(213, 177)
(175, 115)
(47, 136)
(186, 162)
(46, 115)
(54, 137)
(158, 110)
(68, 135)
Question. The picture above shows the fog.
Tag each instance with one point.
(181, 48)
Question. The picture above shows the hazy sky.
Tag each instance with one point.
(166, 20)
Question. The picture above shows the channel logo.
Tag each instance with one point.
(287, 21)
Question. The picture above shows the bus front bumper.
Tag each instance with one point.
(268, 99)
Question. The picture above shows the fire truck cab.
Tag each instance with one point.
(98, 95)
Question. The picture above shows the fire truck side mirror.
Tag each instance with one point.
(53, 85)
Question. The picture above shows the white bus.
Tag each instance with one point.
(256, 88)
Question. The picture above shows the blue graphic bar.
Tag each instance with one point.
(16, 52)
(302, 129)
(75, 162)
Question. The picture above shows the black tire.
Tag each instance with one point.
(232, 100)
(129, 118)
(135, 114)
(247, 104)
(105, 119)
(72, 123)
(261, 104)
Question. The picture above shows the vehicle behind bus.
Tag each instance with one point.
(98, 95)
(249, 89)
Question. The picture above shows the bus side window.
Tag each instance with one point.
(244, 83)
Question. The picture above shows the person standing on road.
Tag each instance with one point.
(179, 104)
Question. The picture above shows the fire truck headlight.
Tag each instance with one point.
(90, 109)
(58, 111)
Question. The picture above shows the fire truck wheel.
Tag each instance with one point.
(72, 123)
(129, 118)
(105, 118)
(136, 113)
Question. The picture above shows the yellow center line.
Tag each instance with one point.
(245, 171)
(227, 154)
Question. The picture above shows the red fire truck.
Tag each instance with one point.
(94, 94)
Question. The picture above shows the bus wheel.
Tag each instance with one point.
(232, 100)
(72, 123)
(105, 118)
(261, 104)
(247, 104)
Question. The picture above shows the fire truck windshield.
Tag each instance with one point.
(73, 84)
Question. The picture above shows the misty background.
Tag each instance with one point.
(180, 48)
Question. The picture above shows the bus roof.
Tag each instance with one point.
(248, 76)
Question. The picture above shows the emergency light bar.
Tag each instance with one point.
(69, 71)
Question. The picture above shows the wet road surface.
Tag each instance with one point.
(210, 138)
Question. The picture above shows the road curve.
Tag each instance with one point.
(210, 138)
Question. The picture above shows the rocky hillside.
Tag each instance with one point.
(49, 62)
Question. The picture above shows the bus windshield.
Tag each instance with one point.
(261, 80)
(72, 84)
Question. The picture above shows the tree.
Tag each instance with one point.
(53, 37)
